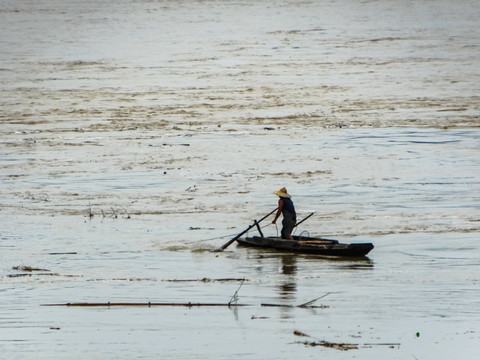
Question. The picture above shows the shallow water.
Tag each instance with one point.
(138, 135)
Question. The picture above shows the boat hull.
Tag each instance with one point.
(309, 245)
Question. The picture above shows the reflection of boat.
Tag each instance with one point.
(308, 245)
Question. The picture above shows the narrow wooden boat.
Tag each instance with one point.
(308, 245)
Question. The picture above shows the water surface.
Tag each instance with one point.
(135, 136)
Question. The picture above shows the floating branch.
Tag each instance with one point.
(40, 274)
(112, 213)
(207, 280)
(381, 344)
(29, 195)
(306, 305)
(27, 274)
(28, 268)
(149, 304)
(63, 253)
(234, 298)
(337, 346)
(297, 306)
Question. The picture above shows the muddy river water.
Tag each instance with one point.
(137, 136)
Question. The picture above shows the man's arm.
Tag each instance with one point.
(279, 211)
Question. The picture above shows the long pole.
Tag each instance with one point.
(298, 223)
(227, 244)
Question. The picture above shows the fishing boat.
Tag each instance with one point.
(299, 244)
(308, 245)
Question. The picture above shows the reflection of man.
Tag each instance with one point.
(285, 207)
(289, 264)
(288, 285)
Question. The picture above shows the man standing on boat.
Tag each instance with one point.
(285, 207)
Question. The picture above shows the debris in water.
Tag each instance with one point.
(27, 268)
(337, 346)
(299, 333)
(305, 305)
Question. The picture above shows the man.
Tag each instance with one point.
(285, 207)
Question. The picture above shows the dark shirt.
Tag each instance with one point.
(288, 207)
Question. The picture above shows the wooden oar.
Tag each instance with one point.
(298, 223)
(224, 246)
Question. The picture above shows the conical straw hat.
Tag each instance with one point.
(282, 193)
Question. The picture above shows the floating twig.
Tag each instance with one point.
(297, 306)
(90, 213)
(234, 298)
(382, 344)
(305, 305)
(126, 212)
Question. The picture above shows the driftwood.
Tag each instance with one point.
(147, 304)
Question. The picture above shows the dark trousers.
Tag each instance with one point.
(288, 224)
